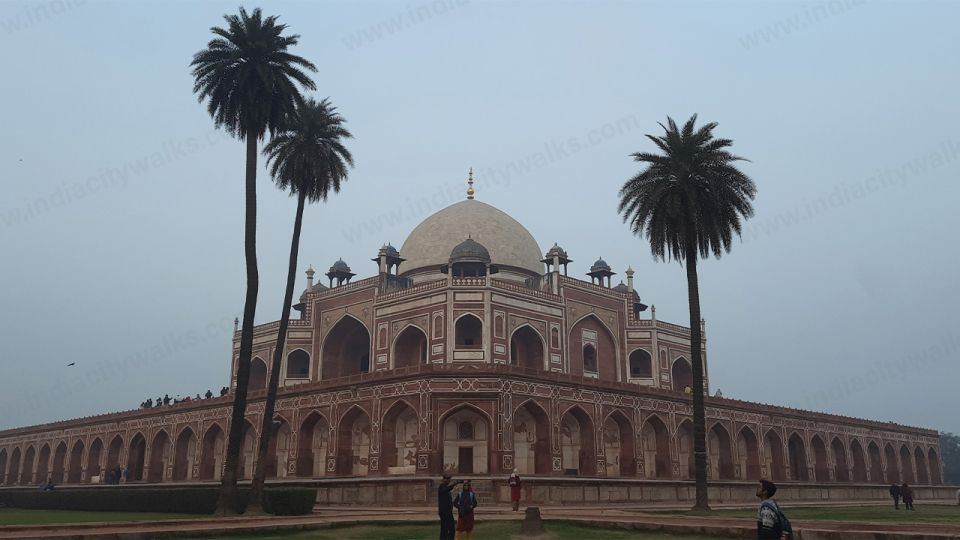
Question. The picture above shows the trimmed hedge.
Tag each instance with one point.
(201, 500)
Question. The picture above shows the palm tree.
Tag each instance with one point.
(689, 201)
(308, 158)
(250, 83)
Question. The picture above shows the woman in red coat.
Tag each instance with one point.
(515, 487)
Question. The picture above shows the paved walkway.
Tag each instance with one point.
(626, 516)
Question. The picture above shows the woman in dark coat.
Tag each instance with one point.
(907, 493)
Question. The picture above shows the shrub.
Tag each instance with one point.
(283, 501)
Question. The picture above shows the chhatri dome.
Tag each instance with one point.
(510, 245)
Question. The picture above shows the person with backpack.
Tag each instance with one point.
(465, 502)
(771, 523)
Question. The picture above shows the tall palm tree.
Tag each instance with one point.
(307, 157)
(688, 201)
(249, 81)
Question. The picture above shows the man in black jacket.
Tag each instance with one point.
(445, 508)
(895, 494)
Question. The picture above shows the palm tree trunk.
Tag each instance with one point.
(699, 414)
(267, 428)
(228, 501)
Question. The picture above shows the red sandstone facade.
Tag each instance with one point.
(553, 376)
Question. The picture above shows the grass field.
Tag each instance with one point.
(876, 514)
(498, 530)
(16, 516)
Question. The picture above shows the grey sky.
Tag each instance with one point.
(121, 214)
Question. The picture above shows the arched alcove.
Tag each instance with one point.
(773, 456)
(278, 449)
(906, 465)
(641, 364)
(719, 453)
(933, 463)
(618, 445)
(211, 453)
(159, 457)
(184, 455)
(43, 463)
(576, 443)
(399, 436)
(682, 374)
(859, 461)
(135, 458)
(298, 364)
(468, 332)
(821, 469)
(841, 470)
(685, 449)
(346, 349)
(258, 375)
(410, 348)
(93, 458)
(26, 468)
(527, 348)
(114, 449)
(312, 446)
(893, 468)
(876, 463)
(531, 439)
(13, 472)
(923, 478)
(656, 448)
(75, 466)
(748, 454)
(59, 463)
(248, 452)
(353, 443)
(797, 452)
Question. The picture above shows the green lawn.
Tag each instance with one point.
(495, 530)
(882, 514)
(16, 516)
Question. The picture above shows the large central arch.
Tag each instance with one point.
(466, 441)
(346, 349)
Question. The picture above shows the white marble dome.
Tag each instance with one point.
(510, 244)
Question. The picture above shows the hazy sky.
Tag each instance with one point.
(121, 210)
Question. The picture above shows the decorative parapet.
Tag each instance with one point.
(515, 287)
(469, 282)
(658, 324)
(592, 287)
(416, 289)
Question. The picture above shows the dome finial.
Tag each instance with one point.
(470, 191)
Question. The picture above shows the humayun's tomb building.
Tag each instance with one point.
(472, 350)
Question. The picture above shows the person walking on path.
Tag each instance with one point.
(515, 488)
(465, 502)
(445, 508)
(771, 523)
(895, 493)
(907, 493)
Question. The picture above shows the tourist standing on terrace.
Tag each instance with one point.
(515, 488)
(465, 502)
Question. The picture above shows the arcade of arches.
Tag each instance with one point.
(311, 446)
